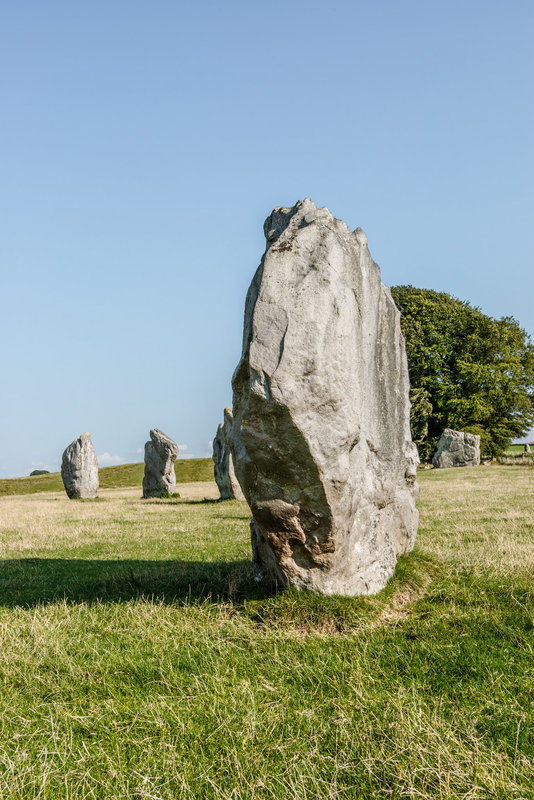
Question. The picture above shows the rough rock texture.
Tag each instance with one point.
(321, 436)
(457, 449)
(160, 454)
(79, 468)
(223, 462)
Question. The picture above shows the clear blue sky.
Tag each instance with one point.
(143, 145)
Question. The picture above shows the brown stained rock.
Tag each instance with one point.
(321, 437)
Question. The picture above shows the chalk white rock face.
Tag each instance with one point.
(79, 468)
(321, 436)
(160, 454)
(223, 462)
(457, 449)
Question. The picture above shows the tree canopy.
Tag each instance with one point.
(468, 371)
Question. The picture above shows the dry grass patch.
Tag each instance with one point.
(482, 519)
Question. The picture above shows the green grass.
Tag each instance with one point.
(515, 448)
(140, 659)
(187, 470)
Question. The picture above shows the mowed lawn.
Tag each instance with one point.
(140, 660)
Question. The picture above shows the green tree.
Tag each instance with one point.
(467, 371)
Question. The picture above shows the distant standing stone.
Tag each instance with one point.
(160, 454)
(79, 468)
(223, 462)
(39, 472)
(526, 448)
(457, 449)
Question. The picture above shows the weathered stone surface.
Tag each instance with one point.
(79, 468)
(160, 454)
(457, 449)
(39, 472)
(321, 435)
(526, 448)
(223, 462)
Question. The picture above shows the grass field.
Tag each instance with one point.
(140, 659)
(187, 470)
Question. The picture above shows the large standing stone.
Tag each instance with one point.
(160, 454)
(223, 462)
(321, 435)
(79, 468)
(457, 449)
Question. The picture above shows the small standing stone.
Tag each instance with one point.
(160, 454)
(79, 468)
(526, 448)
(457, 449)
(223, 462)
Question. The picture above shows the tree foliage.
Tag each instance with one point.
(467, 371)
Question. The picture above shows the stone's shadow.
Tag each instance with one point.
(35, 581)
(206, 500)
(178, 501)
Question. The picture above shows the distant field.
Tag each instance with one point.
(517, 457)
(141, 660)
(187, 470)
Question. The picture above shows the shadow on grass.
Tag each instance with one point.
(34, 581)
(178, 501)
(30, 582)
(206, 500)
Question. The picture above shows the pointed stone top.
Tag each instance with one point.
(306, 213)
(361, 238)
(277, 222)
(163, 442)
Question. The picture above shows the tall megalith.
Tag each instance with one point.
(79, 468)
(321, 434)
(161, 452)
(223, 462)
